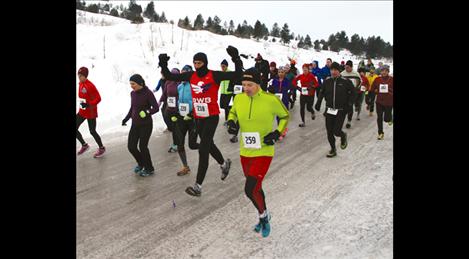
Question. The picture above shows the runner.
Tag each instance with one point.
(143, 106)
(370, 96)
(365, 85)
(380, 67)
(349, 73)
(291, 74)
(262, 66)
(226, 95)
(204, 87)
(255, 110)
(342, 66)
(307, 84)
(281, 87)
(339, 94)
(185, 122)
(317, 73)
(169, 98)
(89, 99)
(383, 86)
(369, 65)
(273, 71)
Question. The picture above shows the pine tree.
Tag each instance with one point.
(163, 18)
(285, 34)
(317, 45)
(187, 23)
(257, 33)
(93, 8)
(208, 24)
(149, 11)
(216, 27)
(308, 43)
(301, 43)
(114, 12)
(275, 32)
(231, 29)
(324, 44)
(199, 22)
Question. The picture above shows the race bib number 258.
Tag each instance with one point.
(201, 109)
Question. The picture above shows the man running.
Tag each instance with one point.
(170, 98)
(255, 111)
(262, 66)
(370, 96)
(383, 86)
(273, 70)
(89, 98)
(364, 87)
(339, 94)
(349, 73)
(307, 84)
(317, 73)
(225, 93)
(205, 84)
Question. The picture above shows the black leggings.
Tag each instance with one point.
(181, 129)
(92, 127)
(140, 135)
(380, 111)
(167, 120)
(206, 128)
(308, 101)
(358, 106)
(334, 125)
(225, 104)
(370, 100)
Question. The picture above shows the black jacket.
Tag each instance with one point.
(339, 93)
(264, 69)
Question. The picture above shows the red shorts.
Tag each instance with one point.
(256, 166)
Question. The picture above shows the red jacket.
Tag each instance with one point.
(308, 80)
(384, 99)
(88, 93)
(205, 102)
(365, 83)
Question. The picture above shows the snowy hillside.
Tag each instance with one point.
(113, 49)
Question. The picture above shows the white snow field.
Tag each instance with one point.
(321, 207)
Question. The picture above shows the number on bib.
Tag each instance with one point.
(183, 109)
(363, 88)
(332, 111)
(238, 89)
(251, 140)
(82, 101)
(201, 109)
(172, 102)
(383, 88)
(304, 91)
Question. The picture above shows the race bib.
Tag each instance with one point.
(299, 83)
(172, 102)
(201, 109)
(279, 95)
(183, 109)
(251, 140)
(304, 91)
(82, 101)
(332, 111)
(363, 88)
(383, 88)
(238, 89)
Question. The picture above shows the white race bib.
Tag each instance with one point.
(363, 88)
(82, 101)
(201, 109)
(251, 140)
(383, 88)
(171, 102)
(304, 91)
(332, 111)
(183, 109)
(238, 89)
(279, 95)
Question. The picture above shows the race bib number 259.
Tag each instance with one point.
(251, 140)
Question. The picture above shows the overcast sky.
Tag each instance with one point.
(317, 18)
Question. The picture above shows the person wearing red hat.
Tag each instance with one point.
(273, 71)
(89, 98)
(307, 85)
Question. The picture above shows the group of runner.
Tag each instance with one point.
(252, 100)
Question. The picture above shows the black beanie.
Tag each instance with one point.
(335, 65)
(252, 75)
(201, 57)
(224, 62)
(349, 63)
(137, 79)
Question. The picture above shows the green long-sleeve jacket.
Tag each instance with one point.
(256, 114)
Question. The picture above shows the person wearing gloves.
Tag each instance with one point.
(143, 106)
(169, 98)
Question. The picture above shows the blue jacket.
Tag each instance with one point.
(185, 95)
(317, 72)
(285, 87)
(325, 72)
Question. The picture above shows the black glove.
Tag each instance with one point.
(317, 107)
(232, 127)
(272, 137)
(233, 52)
(124, 122)
(163, 60)
(84, 105)
(244, 56)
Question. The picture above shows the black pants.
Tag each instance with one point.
(92, 127)
(167, 120)
(308, 101)
(182, 128)
(225, 104)
(370, 100)
(171, 124)
(358, 106)
(206, 128)
(292, 98)
(380, 111)
(140, 135)
(334, 125)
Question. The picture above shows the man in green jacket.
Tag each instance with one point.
(255, 111)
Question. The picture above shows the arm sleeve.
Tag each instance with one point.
(154, 105)
(282, 113)
(95, 93)
(164, 95)
(219, 76)
(186, 76)
(127, 117)
(232, 115)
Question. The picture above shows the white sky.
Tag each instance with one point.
(319, 19)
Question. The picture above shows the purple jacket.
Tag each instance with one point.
(170, 90)
(142, 100)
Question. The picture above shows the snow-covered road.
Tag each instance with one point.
(321, 207)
